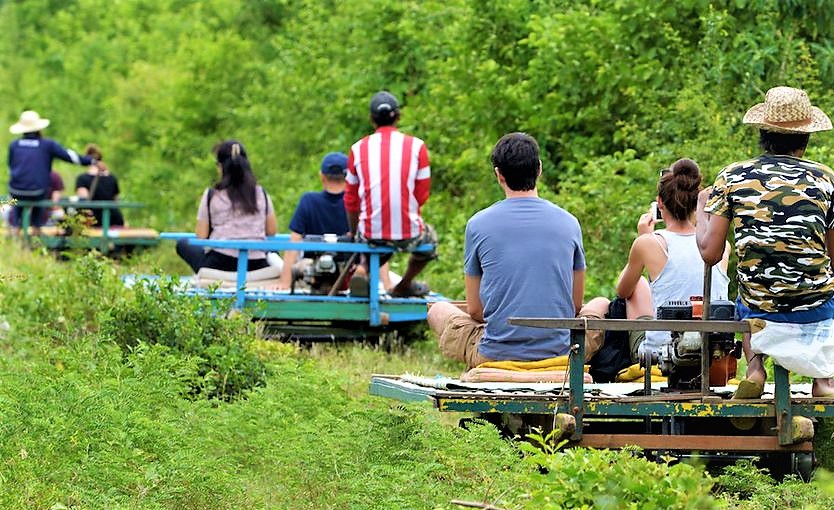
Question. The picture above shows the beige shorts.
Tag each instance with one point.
(461, 338)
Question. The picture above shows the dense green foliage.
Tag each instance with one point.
(612, 91)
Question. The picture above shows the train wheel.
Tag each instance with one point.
(802, 465)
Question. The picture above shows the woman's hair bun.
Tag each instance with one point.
(679, 188)
(686, 174)
(685, 166)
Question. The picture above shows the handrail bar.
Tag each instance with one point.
(192, 235)
(279, 245)
(579, 323)
(79, 204)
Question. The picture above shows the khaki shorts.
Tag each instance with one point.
(461, 338)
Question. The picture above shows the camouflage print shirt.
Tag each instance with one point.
(780, 208)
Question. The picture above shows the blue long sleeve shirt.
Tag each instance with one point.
(30, 161)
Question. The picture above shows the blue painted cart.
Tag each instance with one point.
(306, 316)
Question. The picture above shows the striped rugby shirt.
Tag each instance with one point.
(388, 180)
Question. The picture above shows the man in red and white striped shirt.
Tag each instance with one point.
(388, 181)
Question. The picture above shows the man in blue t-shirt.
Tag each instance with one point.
(319, 212)
(523, 257)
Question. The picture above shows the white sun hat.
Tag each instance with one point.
(30, 122)
(787, 110)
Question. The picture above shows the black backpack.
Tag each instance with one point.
(615, 354)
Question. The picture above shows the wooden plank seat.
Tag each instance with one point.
(123, 233)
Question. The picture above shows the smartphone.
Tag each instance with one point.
(655, 212)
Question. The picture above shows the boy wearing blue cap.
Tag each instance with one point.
(319, 212)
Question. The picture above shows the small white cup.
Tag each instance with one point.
(330, 238)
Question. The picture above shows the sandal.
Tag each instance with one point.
(416, 289)
(748, 389)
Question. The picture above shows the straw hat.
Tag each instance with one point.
(30, 122)
(787, 110)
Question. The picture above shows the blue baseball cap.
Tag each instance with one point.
(334, 163)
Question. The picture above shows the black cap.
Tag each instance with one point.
(384, 105)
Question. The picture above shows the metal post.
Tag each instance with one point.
(782, 397)
(706, 356)
(25, 221)
(577, 380)
(242, 267)
(373, 294)
(105, 226)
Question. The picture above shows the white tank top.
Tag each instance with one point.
(681, 277)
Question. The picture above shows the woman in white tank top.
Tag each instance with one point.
(669, 257)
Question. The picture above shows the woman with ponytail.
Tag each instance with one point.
(234, 208)
(669, 256)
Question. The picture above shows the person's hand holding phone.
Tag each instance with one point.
(645, 225)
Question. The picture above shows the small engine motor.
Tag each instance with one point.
(680, 358)
(322, 274)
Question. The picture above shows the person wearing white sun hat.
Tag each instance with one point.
(781, 207)
(30, 161)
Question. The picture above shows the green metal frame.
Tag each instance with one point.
(104, 243)
(582, 404)
(333, 310)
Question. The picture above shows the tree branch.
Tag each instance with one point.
(475, 504)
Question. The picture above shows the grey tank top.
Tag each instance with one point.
(681, 277)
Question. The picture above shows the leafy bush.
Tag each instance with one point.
(50, 303)
(609, 479)
(747, 487)
(154, 313)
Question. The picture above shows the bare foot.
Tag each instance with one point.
(756, 370)
(823, 388)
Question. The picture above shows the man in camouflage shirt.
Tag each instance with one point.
(781, 209)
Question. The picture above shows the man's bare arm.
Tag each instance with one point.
(474, 307)
(290, 258)
(710, 231)
(578, 289)
(353, 221)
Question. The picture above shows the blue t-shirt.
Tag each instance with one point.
(320, 212)
(525, 250)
